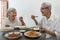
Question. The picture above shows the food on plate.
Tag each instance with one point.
(7, 26)
(32, 33)
(13, 35)
(16, 27)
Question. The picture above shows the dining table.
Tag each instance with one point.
(42, 37)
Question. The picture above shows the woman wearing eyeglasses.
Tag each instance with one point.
(48, 23)
(12, 20)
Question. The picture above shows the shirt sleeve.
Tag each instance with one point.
(41, 21)
(57, 35)
(57, 30)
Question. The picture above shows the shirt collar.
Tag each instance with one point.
(51, 17)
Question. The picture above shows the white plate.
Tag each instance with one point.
(39, 34)
(35, 28)
(6, 29)
(22, 30)
(23, 27)
(6, 35)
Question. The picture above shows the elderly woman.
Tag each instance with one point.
(11, 20)
(48, 23)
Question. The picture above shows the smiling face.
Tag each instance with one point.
(45, 10)
(12, 14)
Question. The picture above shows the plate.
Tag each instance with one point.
(12, 35)
(22, 30)
(35, 28)
(6, 29)
(21, 27)
(32, 34)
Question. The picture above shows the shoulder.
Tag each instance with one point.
(54, 17)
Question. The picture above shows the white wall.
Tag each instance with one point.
(26, 8)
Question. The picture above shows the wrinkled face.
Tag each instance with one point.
(12, 15)
(45, 10)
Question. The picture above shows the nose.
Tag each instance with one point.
(42, 10)
(14, 14)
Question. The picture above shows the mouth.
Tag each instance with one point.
(13, 16)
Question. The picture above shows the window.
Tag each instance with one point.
(3, 10)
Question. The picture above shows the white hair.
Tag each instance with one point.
(46, 4)
(11, 10)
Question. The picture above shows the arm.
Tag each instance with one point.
(50, 32)
(21, 20)
(44, 30)
(33, 17)
(57, 29)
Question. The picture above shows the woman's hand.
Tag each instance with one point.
(42, 29)
(33, 17)
(22, 21)
(21, 18)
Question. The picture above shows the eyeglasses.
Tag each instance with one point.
(45, 8)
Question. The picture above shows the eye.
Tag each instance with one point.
(44, 8)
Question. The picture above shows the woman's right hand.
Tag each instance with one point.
(33, 17)
(42, 29)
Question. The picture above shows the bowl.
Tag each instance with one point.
(22, 31)
(12, 35)
(6, 29)
(35, 28)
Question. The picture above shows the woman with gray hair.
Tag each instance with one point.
(48, 24)
(12, 20)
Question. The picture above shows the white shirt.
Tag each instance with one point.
(50, 24)
(11, 24)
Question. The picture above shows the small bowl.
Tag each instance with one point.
(22, 31)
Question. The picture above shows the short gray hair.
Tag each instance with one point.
(46, 4)
(11, 10)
